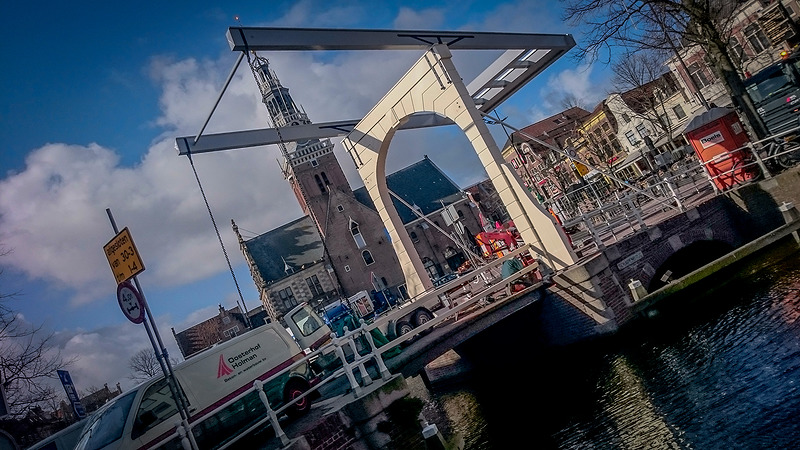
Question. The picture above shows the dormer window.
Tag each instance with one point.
(356, 232)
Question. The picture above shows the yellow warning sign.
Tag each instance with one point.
(123, 257)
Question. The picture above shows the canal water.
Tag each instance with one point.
(719, 369)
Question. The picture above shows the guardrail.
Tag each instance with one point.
(357, 361)
(593, 214)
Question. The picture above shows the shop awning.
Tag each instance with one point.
(630, 159)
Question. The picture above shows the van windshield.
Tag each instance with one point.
(306, 321)
(106, 426)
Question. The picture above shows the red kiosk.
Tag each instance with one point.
(718, 138)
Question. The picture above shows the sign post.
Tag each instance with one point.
(125, 264)
(72, 395)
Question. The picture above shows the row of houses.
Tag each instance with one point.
(639, 131)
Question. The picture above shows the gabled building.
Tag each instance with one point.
(289, 267)
(650, 122)
(219, 328)
(595, 139)
(545, 172)
(435, 203)
(758, 30)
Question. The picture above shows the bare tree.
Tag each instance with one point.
(664, 24)
(144, 365)
(570, 100)
(28, 359)
(645, 86)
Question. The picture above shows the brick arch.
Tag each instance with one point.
(687, 259)
(434, 85)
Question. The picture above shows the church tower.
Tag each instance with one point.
(356, 242)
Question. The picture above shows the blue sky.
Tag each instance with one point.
(94, 94)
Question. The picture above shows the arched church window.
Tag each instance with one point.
(319, 184)
(367, 257)
(356, 232)
(325, 179)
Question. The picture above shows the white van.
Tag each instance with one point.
(145, 417)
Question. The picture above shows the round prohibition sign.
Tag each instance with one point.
(130, 302)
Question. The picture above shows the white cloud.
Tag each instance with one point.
(420, 19)
(579, 82)
(102, 355)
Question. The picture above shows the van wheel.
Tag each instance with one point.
(421, 317)
(293, 390)
(403, 327)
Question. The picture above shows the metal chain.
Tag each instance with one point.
(219, 237)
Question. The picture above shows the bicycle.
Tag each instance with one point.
(781, 153)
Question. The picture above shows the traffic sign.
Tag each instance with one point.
(130, 302)
(123, 257)
(72, 394)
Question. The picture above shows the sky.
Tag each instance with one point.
(94, 95)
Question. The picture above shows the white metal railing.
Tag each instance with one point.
(591, 214)
(359, 361)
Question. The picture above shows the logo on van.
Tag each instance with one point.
(224, 369)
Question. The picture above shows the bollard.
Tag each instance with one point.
(433, 439)
(637, 290)
(790, 214)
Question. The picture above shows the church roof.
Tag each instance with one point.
(422, 184)
(296, 245)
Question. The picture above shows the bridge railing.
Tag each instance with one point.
(595, 215)
(354, 359)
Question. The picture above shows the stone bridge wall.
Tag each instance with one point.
(593, 298)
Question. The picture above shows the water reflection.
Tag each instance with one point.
(720, 370)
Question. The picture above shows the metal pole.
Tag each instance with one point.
(161, 354)
(219, 97)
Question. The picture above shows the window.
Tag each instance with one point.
(232, 332)
(664, 119)
(736, 50)
(314, 285)
(413, 236)
(430, 268)
(460, 213)
(631, 136)
(758, 41)
(157, 405)
(356, 232)
(626, 118)
(347, 268)
(305, 321)
(678, 110)
(698, 75)
(286, 297)
(642, 130)
(314, 163)
(226, 320)
(319, 184)
(367, 257)
(339, 208)
(107, 427)
(325, 179)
